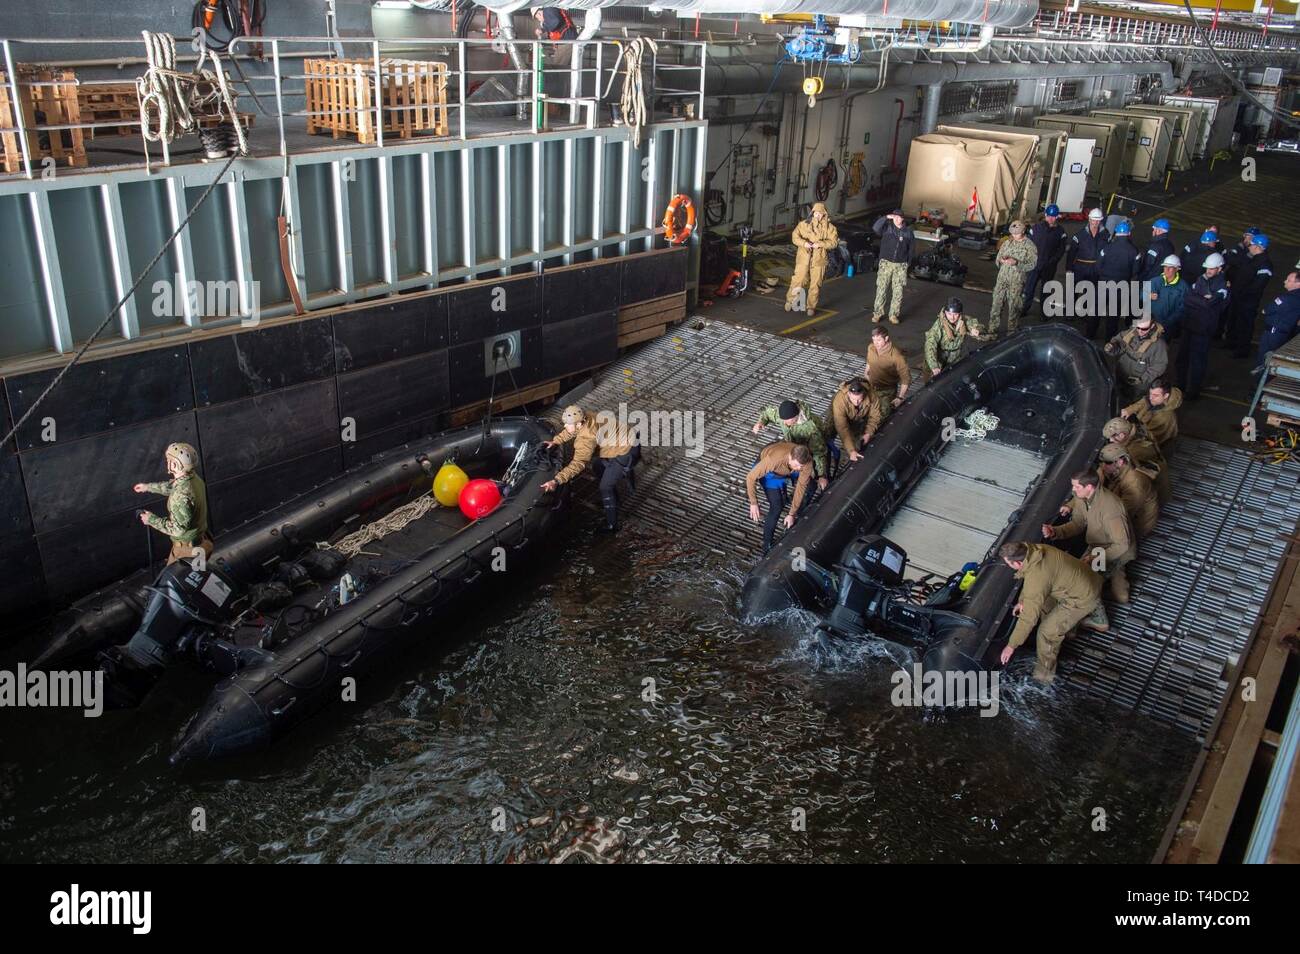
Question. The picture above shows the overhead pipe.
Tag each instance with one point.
(930, 107)
(727, 74)
(993, 13)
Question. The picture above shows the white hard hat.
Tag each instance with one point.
(1096, 215)
(1213, 260)
(1172, 261)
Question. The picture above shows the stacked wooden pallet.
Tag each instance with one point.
(118, 102)
(341, 98)
(108, 103)
(540, 394)
(46, 97)
(649, 319)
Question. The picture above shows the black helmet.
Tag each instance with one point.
(954, 304)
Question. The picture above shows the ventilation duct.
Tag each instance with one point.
(733, 73)
(998, 13)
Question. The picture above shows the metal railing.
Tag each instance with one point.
(1134, 28)
(589, 79)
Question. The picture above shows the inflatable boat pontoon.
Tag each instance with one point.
(847, 559)
(286, 619)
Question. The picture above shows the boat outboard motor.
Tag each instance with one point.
(868, 578)
(183, 598)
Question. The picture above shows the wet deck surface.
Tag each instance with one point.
(1199, 584)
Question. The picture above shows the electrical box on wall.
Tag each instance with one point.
(866, 138)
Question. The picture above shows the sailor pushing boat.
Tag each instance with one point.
(612, 449)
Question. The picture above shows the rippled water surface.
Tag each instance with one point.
(609, 706)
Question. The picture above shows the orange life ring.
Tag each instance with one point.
(672, 233)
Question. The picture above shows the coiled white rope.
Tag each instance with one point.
(979, 424)
(172, 102)
(408, 513)
(632, 103)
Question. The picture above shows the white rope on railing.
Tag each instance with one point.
(172, 102)
(632, 103)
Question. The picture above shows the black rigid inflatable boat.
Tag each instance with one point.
(834, 561)
(285, 619)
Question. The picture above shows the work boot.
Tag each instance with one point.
(875, 319)
(1097, 620)
(811, 310)
(789, 307)
(893, 319)
(1119, 585)
(1043, 675)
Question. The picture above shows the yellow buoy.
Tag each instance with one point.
(447, 484)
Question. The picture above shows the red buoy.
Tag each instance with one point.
(479, 498)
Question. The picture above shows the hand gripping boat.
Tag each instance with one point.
(847, 560)
(285, 619)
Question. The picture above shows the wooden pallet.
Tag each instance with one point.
(109, 102)
(649, 319)
(341, 98)
(43, 105)
(543, 393)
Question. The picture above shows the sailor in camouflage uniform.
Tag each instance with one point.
(187, 504)
(1017, 257)
(944, 340)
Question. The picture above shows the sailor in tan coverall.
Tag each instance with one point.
(610, 448)
(1142, 451)
(1100, 516)
(1058, 593)
(1132, 485)
(854, 417)
(887, 372)
(813, 238)
(1158, 413)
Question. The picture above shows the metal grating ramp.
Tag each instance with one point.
(729, 374)
(1198, 587)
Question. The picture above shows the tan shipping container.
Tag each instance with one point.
(1147, 154)
(1111, 144)
(1182, 136)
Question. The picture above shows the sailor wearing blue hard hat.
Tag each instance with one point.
(1161, 247)
(1194, 253)
(1049, 240)
(1249, 275)
(1119, 261)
